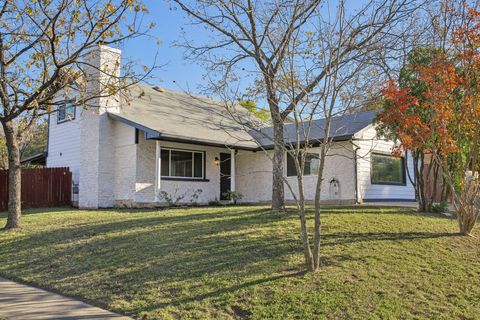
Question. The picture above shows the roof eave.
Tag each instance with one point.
(313, 142)
(39, 157)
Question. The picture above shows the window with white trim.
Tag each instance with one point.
(66, 112)
(182, 164)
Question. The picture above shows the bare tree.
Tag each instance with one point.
(256, 35)
(3, 152)
(320, 76)
(44, 48)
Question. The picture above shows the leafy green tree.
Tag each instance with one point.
(252, 107)
(44, 46)
(34, 143)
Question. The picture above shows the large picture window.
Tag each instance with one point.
(312, 165)
(182, 164)
(66, 112)
(388, 169)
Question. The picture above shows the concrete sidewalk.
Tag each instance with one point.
(18, 301)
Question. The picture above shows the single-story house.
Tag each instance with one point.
(167, 146)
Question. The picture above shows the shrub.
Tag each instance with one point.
(232, 195)
(214, 203)
(440, 207)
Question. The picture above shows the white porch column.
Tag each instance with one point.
(233, 173)
(158, 168)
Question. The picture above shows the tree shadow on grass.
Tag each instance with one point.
(211, 252)
(188, 245)
(298, 272)
(160, 221)
(124, 257)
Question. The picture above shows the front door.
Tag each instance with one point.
(225, 174)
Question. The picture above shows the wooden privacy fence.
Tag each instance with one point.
(42, 187)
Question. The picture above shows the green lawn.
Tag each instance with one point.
(246, 263)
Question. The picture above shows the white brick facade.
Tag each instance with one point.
(115, 164)
(128, 175)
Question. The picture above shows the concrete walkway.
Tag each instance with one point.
(412, 204)
(18, 301)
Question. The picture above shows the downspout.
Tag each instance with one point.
(355, 173)
(407, 172)
(48, 139)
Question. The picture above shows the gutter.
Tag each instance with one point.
(48, 137)
(151, 134)
(313, 143)
(35, 157)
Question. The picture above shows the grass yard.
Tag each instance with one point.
(246, 263)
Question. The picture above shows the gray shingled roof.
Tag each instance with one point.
(342, 128)
(171, 115)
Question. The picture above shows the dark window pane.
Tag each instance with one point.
(181, 163)
(312, 164)
(291, 170)
(198, 165)
(61, 113)
(387, 169)
(164, 155)
(66, 112)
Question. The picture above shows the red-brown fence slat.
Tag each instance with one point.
(41, 187)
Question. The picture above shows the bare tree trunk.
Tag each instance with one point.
(278, 200)
(467, 205)
(14, 177)
(429, 185)
(317, 223)
(468, 201)
(309, 262)
(467, 217)
(433, 195)
(445, 189)
(307, 251)
(420, 182)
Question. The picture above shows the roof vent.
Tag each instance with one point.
(159, 89)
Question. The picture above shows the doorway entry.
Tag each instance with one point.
(225, 174)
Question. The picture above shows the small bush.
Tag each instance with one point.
(214, 203)
(440, 207)
(232, 195)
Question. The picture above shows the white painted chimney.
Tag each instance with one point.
(103, 72)
(96, 174)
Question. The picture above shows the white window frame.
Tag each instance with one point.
(193, 164)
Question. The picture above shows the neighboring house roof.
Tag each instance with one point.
(170, 115)
(39, 158)
(165, 114)
(342, 128)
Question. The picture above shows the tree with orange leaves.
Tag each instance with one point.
(407, 117)
(440, 114)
